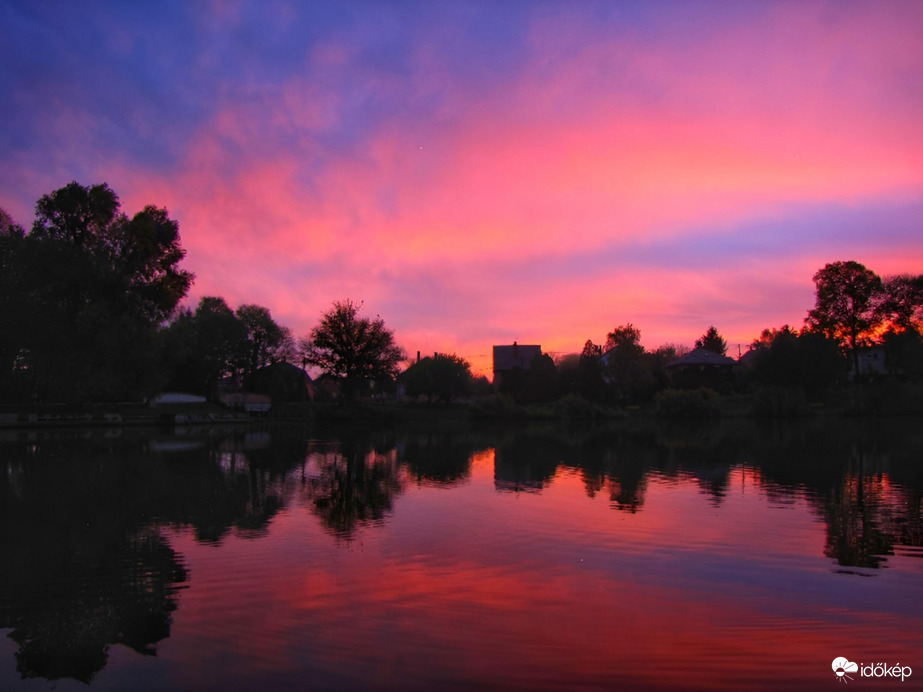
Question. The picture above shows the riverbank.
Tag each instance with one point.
(874, 399)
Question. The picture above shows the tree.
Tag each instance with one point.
(807, 360)
(587, 379)
(901, 302)
(904, 353)
(626, 340)
(207, 345)
(713, 341)
(624, 366)
(845, 307)
(90, 290)
(443, 376)
(266, 341)
(355, 348)
(658, 359)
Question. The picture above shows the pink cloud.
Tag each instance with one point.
(602, 145)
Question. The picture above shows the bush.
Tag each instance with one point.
(687, 403)
(889, 398)
(778, 402)
(575, 407)
(498, 406)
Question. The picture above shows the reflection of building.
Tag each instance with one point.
(508, 358)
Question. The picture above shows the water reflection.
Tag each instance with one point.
(353, 484)
(86, 559)
(81, 568)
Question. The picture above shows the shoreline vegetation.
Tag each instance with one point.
(864, 400)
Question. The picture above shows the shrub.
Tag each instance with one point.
(778, 402)
(575, 407)
(687, 403)
(498, 406)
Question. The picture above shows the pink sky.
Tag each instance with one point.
(539, 172)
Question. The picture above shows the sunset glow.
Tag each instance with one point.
(478, 173)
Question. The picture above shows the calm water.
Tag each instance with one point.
(709, 557)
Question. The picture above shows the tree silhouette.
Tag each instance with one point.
(713, 341)
(355, 348)
(784, 357)
(901, 302)
(845, 305)
(266, 341)
(625, 366)
(443, 376)
(207, 345)
(87, 292)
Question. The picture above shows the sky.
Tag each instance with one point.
(478, 173)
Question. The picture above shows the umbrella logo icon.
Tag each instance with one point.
(842, 666)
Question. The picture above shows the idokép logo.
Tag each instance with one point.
(843, 666)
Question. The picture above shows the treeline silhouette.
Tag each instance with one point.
(89, 303)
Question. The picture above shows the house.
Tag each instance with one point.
(872, 363)
(509, 358)
(702, 368)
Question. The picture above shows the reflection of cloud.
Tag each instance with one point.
(540, 174)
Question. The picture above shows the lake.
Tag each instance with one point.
(637, 555)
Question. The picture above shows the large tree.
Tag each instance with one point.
(90, 289)
(357, 349)
(845, 307)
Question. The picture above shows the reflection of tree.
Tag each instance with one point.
(622, 469)
(352, 487)
(438, 458)
(526, 461)
(230, 482)
(65, 624)
(82, 562)
(861, 521)
(80, 570)
(854, 536)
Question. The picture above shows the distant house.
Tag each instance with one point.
(702, 368)
(509, 358)
(872, 362)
